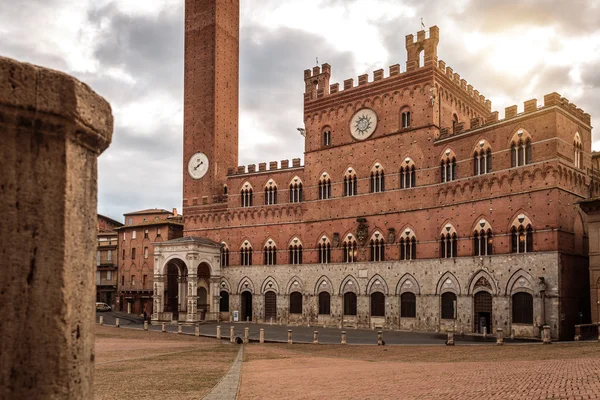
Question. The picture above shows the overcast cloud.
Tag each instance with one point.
(131, 52)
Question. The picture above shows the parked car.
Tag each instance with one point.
(103, 307)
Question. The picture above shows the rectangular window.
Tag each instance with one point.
(132, 280)
(123, 254)
(122, 280)
(98, 257)
(133, 235)
(109, 255)
(130, 221)
(109, 275)
(98, 278)
(158, 232)
(145, 252)
(124, 235)
(133, 253)
(146, 234)
(145, 279)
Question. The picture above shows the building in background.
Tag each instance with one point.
(107, 260)
(136, 255)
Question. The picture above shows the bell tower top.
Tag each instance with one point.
(423, 44)
(211, 100)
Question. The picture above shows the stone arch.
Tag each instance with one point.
(269, 284)
(520, 135)
(177, 260)
(294, 285)
(349, 284)
(520, 281)
(408, 283)
(246, 285)
(224, 285)
(482, 281)
(448, 283)
(377, 284)
(324, 285)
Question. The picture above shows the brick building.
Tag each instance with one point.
(107, 261)
(416, 208)
(136, 252)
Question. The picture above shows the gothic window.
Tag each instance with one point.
(454, 122)
(350, 249)
(448, 166)
(408, 175)
(324, 303)
(482, 239)
(377, 247)
(270, 253)
(377, 179)
(247, 195)
(448, 242)
(270, 193)
(377, 304)
(350, 183)
(296, 190)
(482, 158)
(406, 119)
(520, 149)
(448, 302)
(349, 303)
(295, 303)
(324, 186)
(522, 308)
(225, 190)
(246, 253)
(522, 235)
(295, 250)
(224, 255)
(408, 245)
(324, 249)
(408, 305)
(327, 137)
(578, 149)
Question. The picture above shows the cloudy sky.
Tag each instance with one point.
(131, 52)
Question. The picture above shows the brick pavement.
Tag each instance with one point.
(227, 388)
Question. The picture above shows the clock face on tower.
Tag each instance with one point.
(198, 165)
(363, 124)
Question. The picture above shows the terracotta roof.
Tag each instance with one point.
(151, 223)
(109, 219)
(150, 211)
(192, 240)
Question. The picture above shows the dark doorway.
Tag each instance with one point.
(224, 301)
(172, 290)
(349, 303)
(377, 304)
(482, 312)
(246, 306)
(270, 306)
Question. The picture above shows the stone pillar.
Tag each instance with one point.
(179, 328)
(343, 337)
(117, 323)
(101, 320)
(290, 336)
(485, 331)
(157, 295)
(380, 338)
(145, 325)
(246, 335)
(546, 338)
(218, 332)
(231, 334)
(164, 327)
(197, 330)
(499, 336)
(192, 298)
(316, 337)
(52, 129)
(215, 296)
(262, 336)
(450, 341)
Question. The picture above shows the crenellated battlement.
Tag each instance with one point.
(464, 85)
(262, 167)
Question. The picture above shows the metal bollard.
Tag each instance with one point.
(546, 335)
(316, 337)
(380, 338)
(101, 320)
(117, 324)
(450, 341)
(499, 336)
(231, 334)
(218, 332)
(262, 336)
(343, 337)
(197, 330)
(246, 335)
(290, 336)
(164, 327)
(485, 331)
(271, 321)
(179, 328)
(145, 325)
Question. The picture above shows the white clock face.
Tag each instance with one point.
(363, 124)
(198, 166)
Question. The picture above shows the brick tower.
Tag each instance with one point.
(211, 90)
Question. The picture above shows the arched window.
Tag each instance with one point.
(246, 253)
(224, 301)
(482, 239)
(225, 189)
(296, 190)
(448, 303)
(350, 183)
(377, 247)
(349, 303)
(408, 305)
(377, 179)
(270, 193)
(578, 149)
(295, 249)
(295, 303)
(324, 249)
(522, 235)
(408, 174)
(448, 166)
(522, 308)
(324, 303)
(408, 245)
(270, 253)
(327, 137)
(520, 149)
(224, 255)
(324, 186)
(448, 242)
(350, 249)
(247, 195)
(377, 304)
(406, 119)
(454, 122)
(482, 158)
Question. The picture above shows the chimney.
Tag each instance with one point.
(174, 212)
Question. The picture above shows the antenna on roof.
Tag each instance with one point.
(422, 24)
(317, 61)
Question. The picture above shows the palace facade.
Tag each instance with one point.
(416, 208)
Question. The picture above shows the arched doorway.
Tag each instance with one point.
(246, 306)
(270, 306)
(377, 304)
(172, 290)
(482, 309)
(224, 301)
